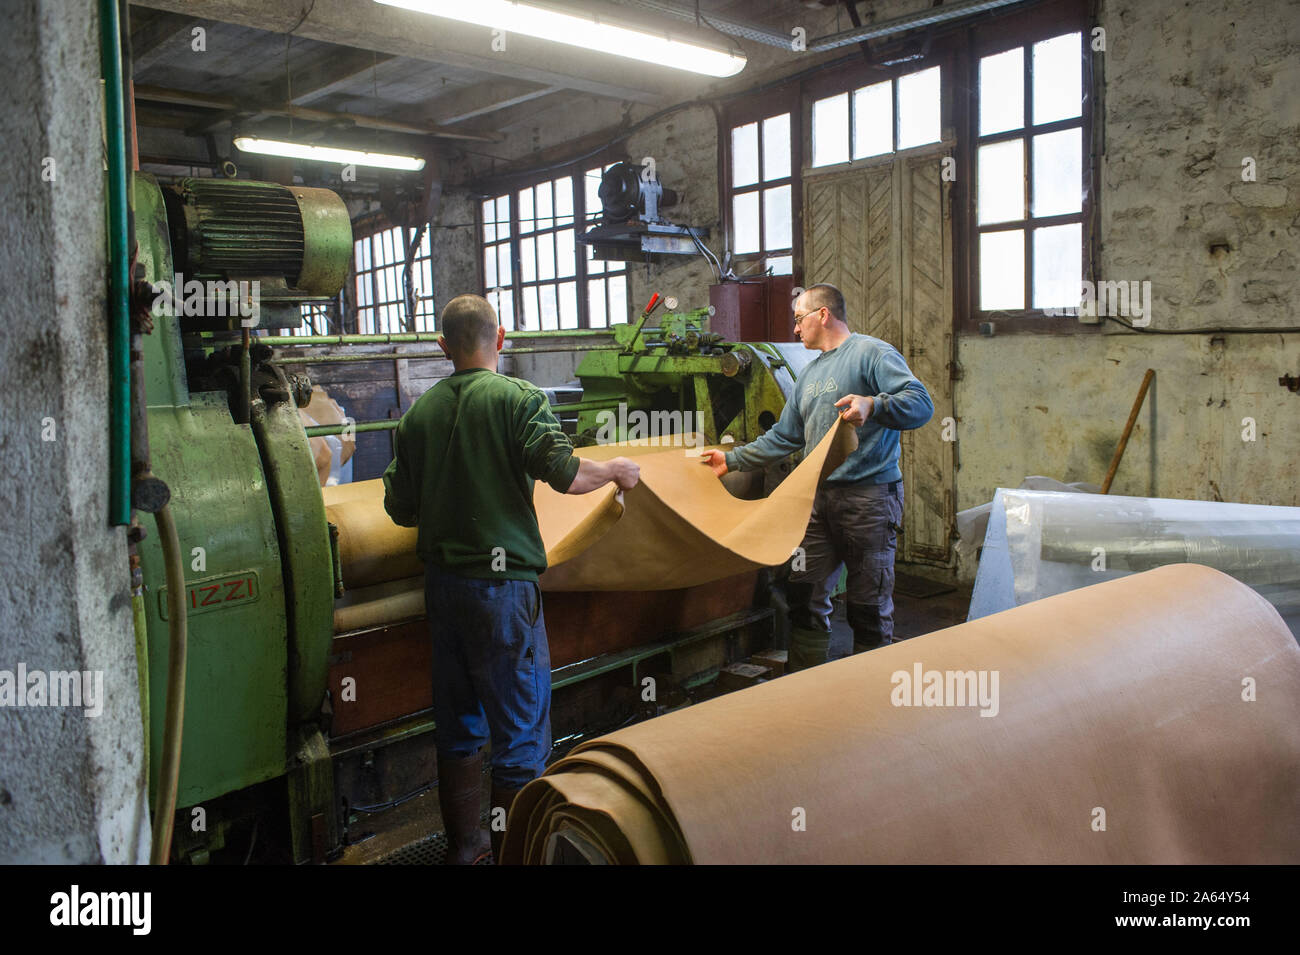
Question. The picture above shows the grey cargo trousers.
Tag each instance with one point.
(854, 527)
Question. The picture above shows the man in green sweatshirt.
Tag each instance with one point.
(858, 510)
(466, 456)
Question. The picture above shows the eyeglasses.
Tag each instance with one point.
(800, 317)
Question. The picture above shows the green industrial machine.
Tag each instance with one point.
(225, 435)
(227, 260)
(678, 377)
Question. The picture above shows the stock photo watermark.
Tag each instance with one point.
(78, 908)
(182, 298)
(669, 429)
(948, 688)
(23, 688)
(1130, 300)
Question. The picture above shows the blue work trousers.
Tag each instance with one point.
(491, 672)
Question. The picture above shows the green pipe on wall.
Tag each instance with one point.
(119, 328)
(397, 338)
(389, 424)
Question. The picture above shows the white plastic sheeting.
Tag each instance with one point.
(972, 522)
(1040, 543)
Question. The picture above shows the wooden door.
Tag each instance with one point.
(882, 234)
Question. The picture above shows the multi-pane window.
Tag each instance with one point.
(315, 321)
(548, 257)
(533, 273)
(877, 119)
(606, 280)
(1029, 176)
(380, 263)
(762, 192)
(498, 281)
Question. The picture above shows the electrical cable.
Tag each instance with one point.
(709, 257)
(252, 842)
(1270, 330)
(173, 722)
(393, 803)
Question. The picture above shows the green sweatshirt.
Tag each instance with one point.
(467, 453)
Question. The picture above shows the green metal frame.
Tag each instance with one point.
(305, 551)
(677, 367)
(235, 730)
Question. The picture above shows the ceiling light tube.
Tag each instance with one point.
(582, 31)
(275, 147)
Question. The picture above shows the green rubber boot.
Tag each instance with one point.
(808, 648)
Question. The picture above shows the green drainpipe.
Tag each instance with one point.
(119, 330)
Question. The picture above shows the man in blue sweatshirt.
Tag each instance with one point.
(858, 510)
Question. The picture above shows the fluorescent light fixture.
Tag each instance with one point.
(583, 31)
(275, 147)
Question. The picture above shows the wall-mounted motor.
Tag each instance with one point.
(227, 234)
(631, 225)
(627, 194)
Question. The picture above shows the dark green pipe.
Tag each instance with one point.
(401, 337)
(320, 430)
(428, 356)
(119, 329)
(388, 424)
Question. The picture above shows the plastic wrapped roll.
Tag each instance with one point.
(1040, 543)
(1151, 719)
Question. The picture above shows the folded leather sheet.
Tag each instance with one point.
(678, 527)
(1125, 731)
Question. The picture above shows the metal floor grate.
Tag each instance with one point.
(431, 850)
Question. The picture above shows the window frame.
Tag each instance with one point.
(424, 321)
(1039, 23)
(755, 108)
(576, 173)
(850, 82)
(609, 267)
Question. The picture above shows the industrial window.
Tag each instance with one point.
(533, 273)
(1029, 168)
(877, 119)
(498, 283)
(380, 263)
(548, 256)
(762, 187)
(315, 321)
(606, 280)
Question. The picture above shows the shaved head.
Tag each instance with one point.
(825, 296)
(469, 324)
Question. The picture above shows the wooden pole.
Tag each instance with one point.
(1128, 430)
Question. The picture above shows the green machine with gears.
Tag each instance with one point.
(226, 260)
(226, 257)
(680, 374)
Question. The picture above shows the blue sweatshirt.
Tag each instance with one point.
(861, 365)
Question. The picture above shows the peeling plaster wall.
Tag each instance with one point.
(1191, 89)
(454, 239)
(72, 786)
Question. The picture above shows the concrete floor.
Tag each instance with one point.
(913, 616)
(412, 832)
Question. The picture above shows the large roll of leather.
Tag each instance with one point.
(372, 549)
(1151, 719)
